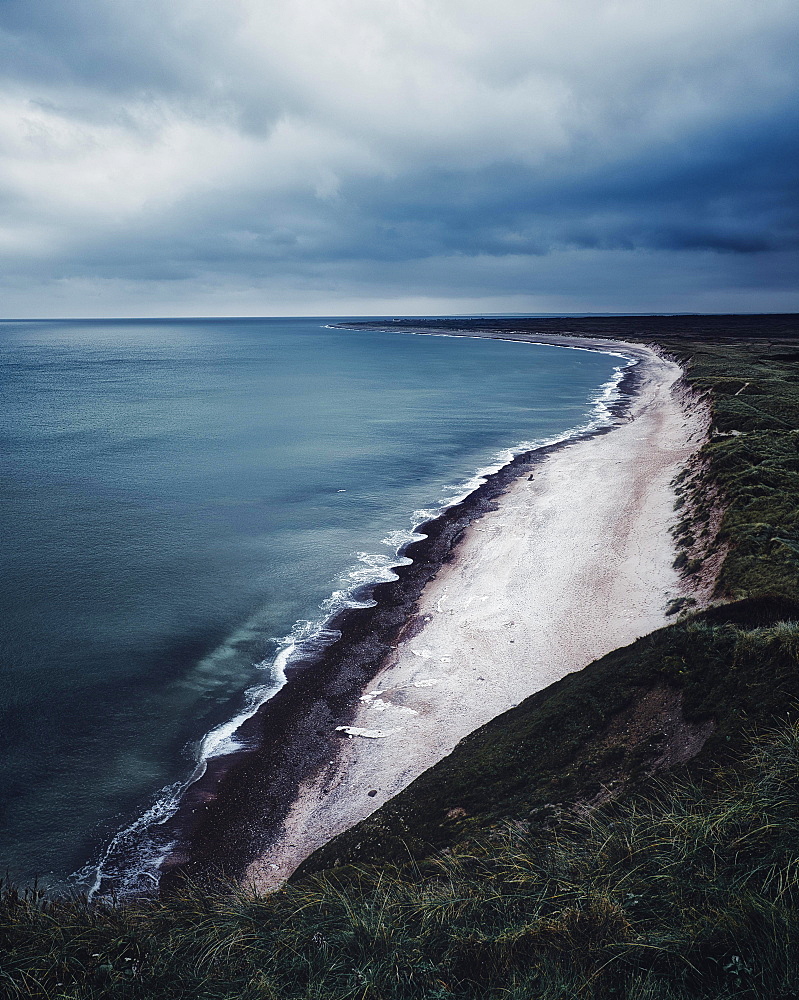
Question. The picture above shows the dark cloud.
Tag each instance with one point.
(225, 156)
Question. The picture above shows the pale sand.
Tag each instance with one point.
(573, 564)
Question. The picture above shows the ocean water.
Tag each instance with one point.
(184, 500)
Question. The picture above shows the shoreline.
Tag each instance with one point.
(231, 819)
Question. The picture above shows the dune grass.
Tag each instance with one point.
(751, 461)
(690, 890)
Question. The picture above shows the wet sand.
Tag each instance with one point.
(571, 561)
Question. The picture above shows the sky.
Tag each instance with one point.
(372, 157)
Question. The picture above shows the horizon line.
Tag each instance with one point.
(376, 316)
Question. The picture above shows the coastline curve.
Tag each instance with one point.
(201, 825)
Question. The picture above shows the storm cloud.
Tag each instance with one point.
(201, 157)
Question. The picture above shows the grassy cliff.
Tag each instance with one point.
(632, 831)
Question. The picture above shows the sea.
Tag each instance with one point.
(184, 503)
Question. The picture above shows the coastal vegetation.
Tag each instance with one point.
(631, 831)
(751, 460)
(689, 890)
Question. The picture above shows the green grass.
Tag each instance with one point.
(689, 890)
(751, 461)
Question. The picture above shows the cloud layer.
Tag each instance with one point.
(343, 156)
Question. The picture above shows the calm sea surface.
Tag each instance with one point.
(179, 499)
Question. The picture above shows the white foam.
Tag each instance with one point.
(133, 854)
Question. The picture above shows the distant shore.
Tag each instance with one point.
(558, 558)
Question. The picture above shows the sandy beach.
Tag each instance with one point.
(575, 561)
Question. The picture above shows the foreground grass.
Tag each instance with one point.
(688, 891)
